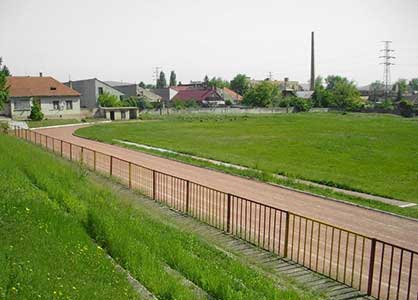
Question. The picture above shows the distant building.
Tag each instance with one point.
(228, 94)
(134, 90)
(204, 96)
(286, 84)
(91, 89)
(56, 100)
(167, 94)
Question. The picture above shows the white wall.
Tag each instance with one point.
(47, 107)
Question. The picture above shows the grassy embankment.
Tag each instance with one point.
(369, 153)
(52, 211)
(52, 122)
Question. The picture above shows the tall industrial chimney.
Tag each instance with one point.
(312, 82)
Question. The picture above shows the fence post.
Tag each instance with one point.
(187, 197)
(53, 145)
(81, 154)
(154, 185)
(61, 148)
(130, 175)
(111, 166)
(26, 134)
(228, 214)
(94, 160)
(371, 266)
(71, 151)
(286, 234)
(15, 131)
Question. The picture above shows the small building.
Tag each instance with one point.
(231, 95)
(134, 90)
(91, 89)
(166, 94)
(56, 99)
(206, 97)
(120, 113)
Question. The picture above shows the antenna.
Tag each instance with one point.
(386, 57)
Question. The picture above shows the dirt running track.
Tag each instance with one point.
(371, 223)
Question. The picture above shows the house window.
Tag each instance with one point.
(69, 105)
(123, 115)
(100, 91)
(56, 105)
(22, 105)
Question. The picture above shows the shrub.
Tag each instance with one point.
(406, 108)
(35, 112)
(386, 104)
(228, 102)
(108, 100)
(301, 104)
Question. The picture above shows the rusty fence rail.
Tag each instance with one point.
(375, 267)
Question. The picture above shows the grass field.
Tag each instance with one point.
(376, 154)
(52, 122)
(53, 216)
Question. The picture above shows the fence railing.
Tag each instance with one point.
(373, 266)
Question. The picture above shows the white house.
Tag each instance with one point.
(56, 99)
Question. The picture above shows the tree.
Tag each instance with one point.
(261, 95)
(142, 84)
(321, 96)
(332, 80)
(173, 80)
(413, 84)
(35, 112)
(108, 100)
(161, 82)
(240, 84)
(206, 81)
(345, 96)
(376, 90)
(4, 89)
(406, 108)
(401, 87)
(218, 82)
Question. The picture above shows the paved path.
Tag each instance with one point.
(389, 228)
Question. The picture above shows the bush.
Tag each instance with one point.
(406, 108)
(386, 105)
(301, 104)
(228, 102)
(108, 100)
(36, 113)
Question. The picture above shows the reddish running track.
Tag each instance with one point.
(396, 230)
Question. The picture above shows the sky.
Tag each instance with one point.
(125, 40)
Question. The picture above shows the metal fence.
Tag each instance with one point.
(375, 267)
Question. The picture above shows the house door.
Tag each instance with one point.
(112, 115)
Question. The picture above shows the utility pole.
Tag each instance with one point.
(386, 57)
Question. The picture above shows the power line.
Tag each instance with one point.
(387, 62)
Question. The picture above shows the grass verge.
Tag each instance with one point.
(142, 244)
(52, 122)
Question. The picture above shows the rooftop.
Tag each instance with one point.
(26, 86)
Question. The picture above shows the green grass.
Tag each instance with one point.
(371, 153)
(45, 252)
(140, 242)
(52, 122)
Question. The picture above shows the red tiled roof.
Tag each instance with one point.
(26, 86)
(180, 88)
(233, 94)
(194, 94)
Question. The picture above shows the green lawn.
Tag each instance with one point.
(376, 154)
(52, 122)
(51, 215)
